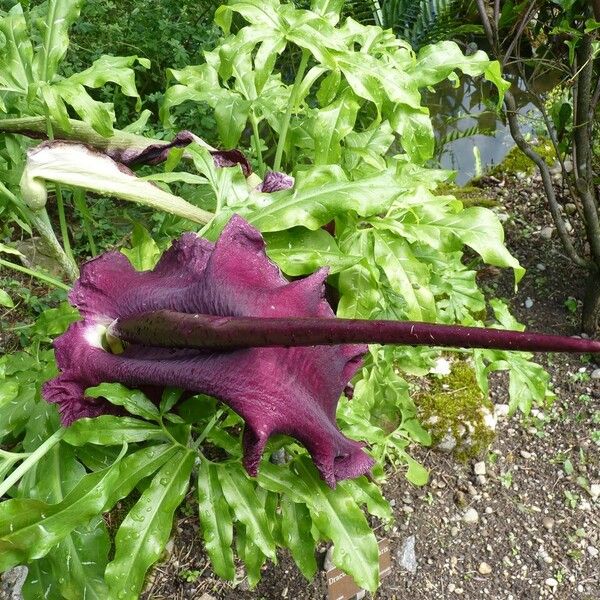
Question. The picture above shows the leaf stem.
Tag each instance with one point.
(256, 140)
(31, 461)
(285, 122)
(207, 429)
(38, 274)
(64, 231)
(79, 198)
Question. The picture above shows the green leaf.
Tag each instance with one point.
(114, 69)
(145, 530)
(137, 466)
(339, 519)
(29, 528)
(435, 62)
(330, 126)
(133, 401)
(61, 14)
(144, 253)
(231, 115)
(41, 582)
(295, 528)
(315, 201)
(251, 554)
(78, 562)
(110, 431)
(476, 227)
(417, 474)
(365, 492)
(281, 480)
(215, 520)
(246, 507)
(359, 286)
(407, 276)
(299, 251)
(6, 301)
(17, 53)
(170, 397)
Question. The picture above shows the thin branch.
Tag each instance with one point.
(582, 144)
(522, 24)
(526, 148)
(485, 21)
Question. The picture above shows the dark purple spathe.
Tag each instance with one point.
(291, 391)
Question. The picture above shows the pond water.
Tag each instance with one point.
(470, 107)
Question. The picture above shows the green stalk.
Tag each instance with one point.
(60, 205)
(285, 123)
(40, 221)
(64, 231)
(79, 131)
(37, 274)
(31, 461)
(207, 429)
(256, 140)
(79, 199)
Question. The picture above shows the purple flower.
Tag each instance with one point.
(275, 181)
(154, 154)
(292, 391)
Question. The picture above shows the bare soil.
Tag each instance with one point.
(538, 529)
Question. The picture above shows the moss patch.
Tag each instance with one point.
(455, 405)
(515, 161)
(469, 195)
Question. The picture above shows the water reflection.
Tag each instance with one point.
(470, 110)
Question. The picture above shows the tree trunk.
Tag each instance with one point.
(591, 306)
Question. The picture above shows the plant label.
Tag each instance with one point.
(341, 586)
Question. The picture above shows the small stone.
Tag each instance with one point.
(285, 590)
(570, 208)
(548, 523)
(489, 510)
(460, 499)
(361, 594)
(528, 303)
(595, 374)
(595, 487)
(11, 583)
(480, 480)
(451, 587)
(207, 596)
(551, 582)
(484, 568)
(501, 411)
(328, 562)
(479, 468)
(407, 556)
(454, 531)
(471, 516)
(447, 443)
(568, 164)
(526, 455)
(279, 457)
(547, 232)
(540, 267)
(593, 552)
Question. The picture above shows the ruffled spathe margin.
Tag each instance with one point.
(292, 391)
